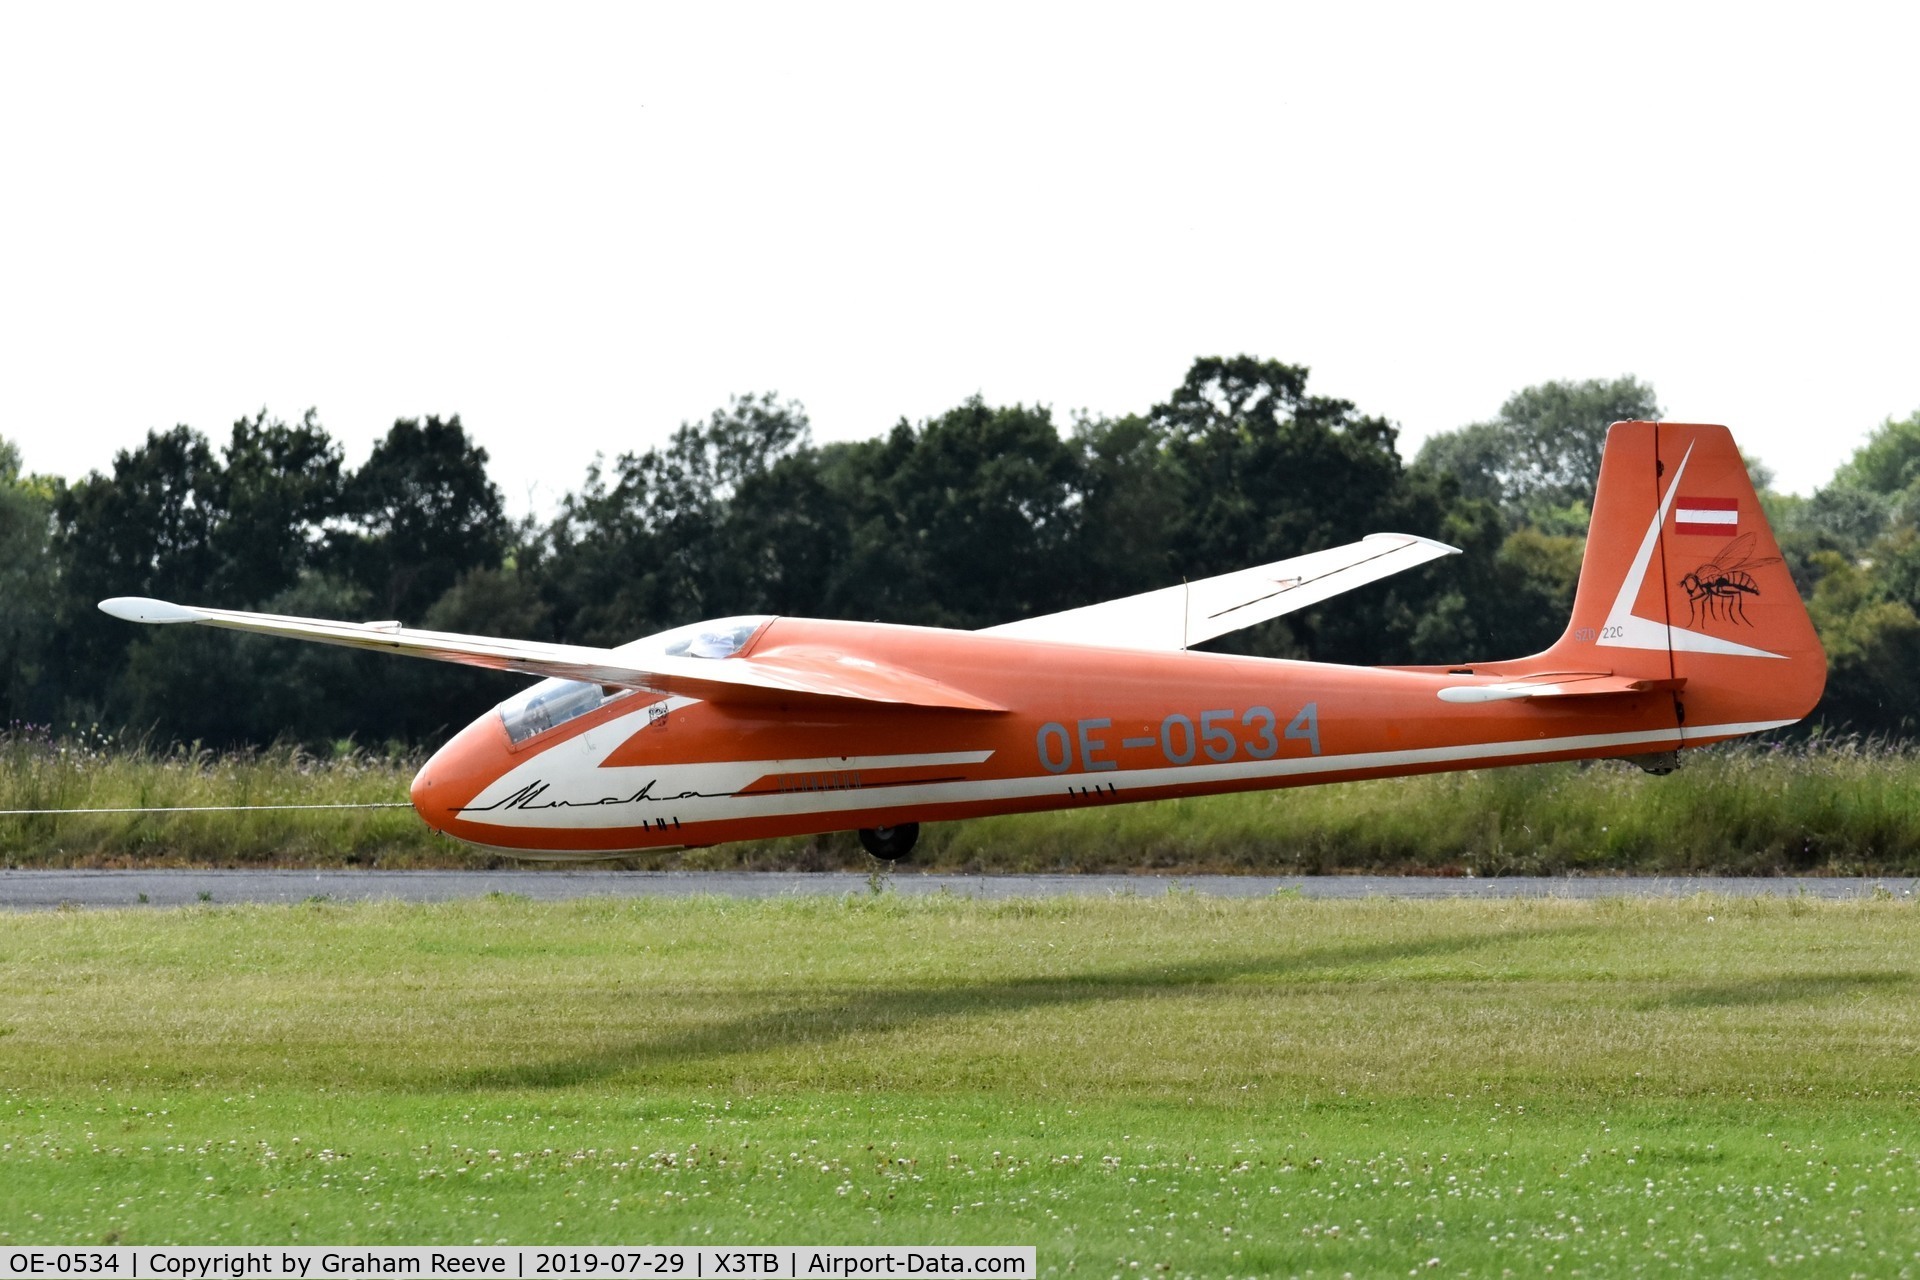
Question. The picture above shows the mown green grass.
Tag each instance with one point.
(1197, 1086)
(1836, 807)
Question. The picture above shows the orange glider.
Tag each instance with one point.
(1686, 630)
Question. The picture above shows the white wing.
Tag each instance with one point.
(789, 673)
(1183, 616)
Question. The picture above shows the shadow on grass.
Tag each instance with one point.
(836, 1016)
(1779, 989)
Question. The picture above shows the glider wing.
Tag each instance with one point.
(1180, 617)
(783, 676)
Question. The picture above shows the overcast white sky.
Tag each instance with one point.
(578, 225)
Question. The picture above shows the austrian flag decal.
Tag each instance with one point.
(1720, 516)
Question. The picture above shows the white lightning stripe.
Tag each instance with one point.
(714, 783)
(829, 764)
(1626, 629)
(1184, 775)
(1508, 692)
(574, 790)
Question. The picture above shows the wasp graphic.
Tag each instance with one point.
(1717, 591)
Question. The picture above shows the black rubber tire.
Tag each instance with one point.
(890, 844)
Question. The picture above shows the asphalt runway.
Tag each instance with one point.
(34, 890)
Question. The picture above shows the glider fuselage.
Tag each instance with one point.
(1080, 726)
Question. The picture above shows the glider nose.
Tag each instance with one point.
(459, 771)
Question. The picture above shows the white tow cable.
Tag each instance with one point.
(208, 808)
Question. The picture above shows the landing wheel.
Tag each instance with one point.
(890, 843)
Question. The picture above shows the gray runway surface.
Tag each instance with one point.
(42, 890)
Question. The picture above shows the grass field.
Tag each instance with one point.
(1837, 807)
(1138, 1086)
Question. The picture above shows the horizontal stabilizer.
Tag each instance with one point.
(1564, 685)
(782, 675)
(1174, 618)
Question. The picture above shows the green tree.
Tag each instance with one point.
(1873, 651)
(1853, 547)
(1264, 470)
(1871, 494)
(418, 514)
(275, 491)
(1532, 469)
(28, 588)
(1888, 463)
(1267, 470)
(963, 521)
(1476, 458)
(1540, 458)
(272, 522)
(145, 530)
(1130, 506)
(726, 518)
(173, 520)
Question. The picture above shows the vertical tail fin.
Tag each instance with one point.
(1683, 581)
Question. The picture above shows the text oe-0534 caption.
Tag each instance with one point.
(305, 1262)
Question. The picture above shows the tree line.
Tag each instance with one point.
(979, 515)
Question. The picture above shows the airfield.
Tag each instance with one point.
(1155, 1078)
(42, 889)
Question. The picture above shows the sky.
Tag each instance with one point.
(579, 225)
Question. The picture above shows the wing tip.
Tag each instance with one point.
(143, 609)
(1408, 539)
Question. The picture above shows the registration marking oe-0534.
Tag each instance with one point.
(1220, 735)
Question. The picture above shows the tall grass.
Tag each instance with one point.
(1840, 807)
(98, 771)
(1836, 806)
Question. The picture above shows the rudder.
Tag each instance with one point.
(1682, 580)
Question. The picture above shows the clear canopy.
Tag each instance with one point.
(552, 703)
(718, 638)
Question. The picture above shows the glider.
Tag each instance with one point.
(1686, 630)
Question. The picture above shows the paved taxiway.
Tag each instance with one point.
(41, 890)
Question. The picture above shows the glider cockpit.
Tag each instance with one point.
(554, 702)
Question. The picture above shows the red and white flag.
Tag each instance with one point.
(1719, 516)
